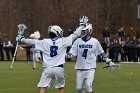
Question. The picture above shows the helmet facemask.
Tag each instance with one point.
(86, 31)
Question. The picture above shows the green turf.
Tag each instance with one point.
(22, 79)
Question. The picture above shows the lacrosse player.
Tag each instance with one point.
(86, 49)
(35, 53)
(53, 50)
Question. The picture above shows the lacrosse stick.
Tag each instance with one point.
(21, 28)
(115, 66)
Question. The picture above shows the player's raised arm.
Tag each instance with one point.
(82, 23)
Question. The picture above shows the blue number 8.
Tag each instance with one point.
(53, 51)
(85, 53)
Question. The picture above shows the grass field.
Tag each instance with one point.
(22, 79)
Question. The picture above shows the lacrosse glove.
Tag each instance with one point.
(83, 20)
(19, 37)
(109, 62)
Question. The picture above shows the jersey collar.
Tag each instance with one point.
(86, 38)
(53, 39)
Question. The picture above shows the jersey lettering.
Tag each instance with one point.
(85, 53)
(53, 51)
(85, 46)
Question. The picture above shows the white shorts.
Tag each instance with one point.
(84, 79)
(56, 73)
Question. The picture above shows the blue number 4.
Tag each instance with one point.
(53, 51)
(85, 53)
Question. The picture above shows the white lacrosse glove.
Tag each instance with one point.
(19, 37)
(109, 62)
(35, 35)
(83, 20)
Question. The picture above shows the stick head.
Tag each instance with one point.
(113, 67)
(21, 28)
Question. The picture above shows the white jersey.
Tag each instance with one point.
(86, 53)
(53, 51)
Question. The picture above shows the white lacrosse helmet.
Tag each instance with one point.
(87, 30)
(35, 35)
(56, 30)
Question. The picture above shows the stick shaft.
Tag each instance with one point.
(13, 60)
